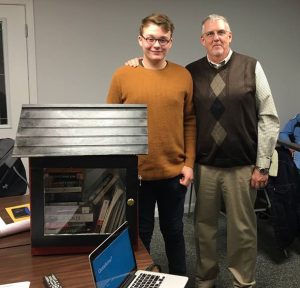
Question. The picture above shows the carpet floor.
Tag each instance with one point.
(274, 268)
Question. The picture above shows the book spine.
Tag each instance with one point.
(103, 184)
(60, 209)
(103, 211)
(87, 217)
(104, 189)
(63, 197)
(63, 189)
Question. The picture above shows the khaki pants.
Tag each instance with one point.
(239, 198)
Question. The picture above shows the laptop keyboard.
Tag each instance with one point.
(147, 280)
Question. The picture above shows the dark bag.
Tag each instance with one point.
(13, 179)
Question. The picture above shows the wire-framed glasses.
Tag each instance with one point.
(152, 40)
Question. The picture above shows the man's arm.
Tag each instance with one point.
(268, 127)
(189, 136)
(268, 121)
(114, 95)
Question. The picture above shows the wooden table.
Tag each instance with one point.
(17, 263)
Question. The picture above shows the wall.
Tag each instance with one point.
(79, 43)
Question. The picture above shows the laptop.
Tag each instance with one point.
(113, 265)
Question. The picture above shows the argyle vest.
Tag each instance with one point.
(225, 106)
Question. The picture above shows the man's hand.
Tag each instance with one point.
(134, 62)
(187, 176)
(292, 151)
(258, 180)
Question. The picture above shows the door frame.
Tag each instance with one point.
(30, 42)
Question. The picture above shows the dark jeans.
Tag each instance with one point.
(169, 195)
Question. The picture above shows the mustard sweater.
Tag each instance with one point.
(171, 119)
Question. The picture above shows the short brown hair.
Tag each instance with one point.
(158, 19)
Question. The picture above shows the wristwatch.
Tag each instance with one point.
(262, 171)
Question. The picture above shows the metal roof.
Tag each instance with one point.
(81, 130)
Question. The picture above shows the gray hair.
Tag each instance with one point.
(214, 17)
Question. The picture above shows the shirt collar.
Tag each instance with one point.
(219, 65)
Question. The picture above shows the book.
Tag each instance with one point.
(103, 188)
(60, 225)
(63, 180)
(66, 209)
(113, 221)
(103, 210)
(120, 217)
(63, 197)
(118, 192)
(65, 228)
(69, 203)
(68, 219)
(92, 179)
(64, 189)
(19, 212)
(76, 217)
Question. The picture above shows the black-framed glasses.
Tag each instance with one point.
(211, 34)
(152, 40)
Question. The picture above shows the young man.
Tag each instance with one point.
(166, 171)
(237, 129)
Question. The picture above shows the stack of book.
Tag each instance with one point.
(109, 196)
(63, 185)
(70, 208)
(64, 211)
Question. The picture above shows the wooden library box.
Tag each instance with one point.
(82, 172)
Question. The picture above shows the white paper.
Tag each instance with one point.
(12, 228)
(2, 223)
(24, 284)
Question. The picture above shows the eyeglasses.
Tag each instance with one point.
(211, 34)
(152, 40)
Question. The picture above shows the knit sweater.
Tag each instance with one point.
(171, 119)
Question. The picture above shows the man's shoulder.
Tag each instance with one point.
(196, 63)
(125, 71)
(244, 56)
(198, 67)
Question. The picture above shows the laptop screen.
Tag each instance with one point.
(113, 260)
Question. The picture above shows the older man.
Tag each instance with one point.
(237, 129)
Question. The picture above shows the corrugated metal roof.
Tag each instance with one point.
(81, 130)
